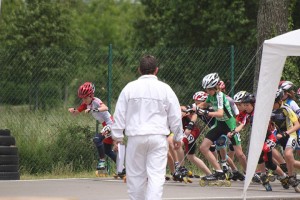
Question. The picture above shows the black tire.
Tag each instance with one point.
(7, 141)
(9, 160)
(4, 132)
(9, 168)
(8, 150)
(9, 176)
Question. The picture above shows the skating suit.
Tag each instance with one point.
(104, 118)
(189, 140)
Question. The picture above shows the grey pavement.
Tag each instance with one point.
(109, 188)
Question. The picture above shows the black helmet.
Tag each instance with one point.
(248, 98)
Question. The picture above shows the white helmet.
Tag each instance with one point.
(210, 80)
(279, 95)
(200, 96)
(286, 85)
(238, 96)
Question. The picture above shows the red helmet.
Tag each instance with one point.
(222, 85)
(200, 96)
(86, 90)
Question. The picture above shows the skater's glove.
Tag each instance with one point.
(106, 131)
(282, 134)
(187, 132)
(189, 109)
(201, 111)
(191, 125)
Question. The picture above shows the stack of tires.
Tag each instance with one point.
(9, 158)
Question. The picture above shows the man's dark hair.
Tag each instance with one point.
(148, 64)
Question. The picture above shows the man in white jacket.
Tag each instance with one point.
(147, 110)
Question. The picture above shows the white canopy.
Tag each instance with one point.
(274, 55)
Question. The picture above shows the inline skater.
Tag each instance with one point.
(192, 132)
(99, 111)
(224, 121)
(287, 124)
(221, 143)
(219, 146)
(266, 158)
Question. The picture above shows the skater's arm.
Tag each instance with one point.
(239, 127)
(102, 108)
(76, 111)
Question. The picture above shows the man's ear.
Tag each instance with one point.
(156, 71)
(139, 70)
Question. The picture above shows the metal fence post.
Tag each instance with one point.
(109, 77)
(232, 69)
(109, 90)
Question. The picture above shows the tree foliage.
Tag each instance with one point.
(34, 35)
(107, 22)
(197, 23)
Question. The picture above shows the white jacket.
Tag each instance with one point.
(147, 106)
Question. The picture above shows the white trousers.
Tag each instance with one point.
(146, 160)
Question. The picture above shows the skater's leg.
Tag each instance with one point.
(172, 151)
(290, 161)
(231, 164)
(213, 150)
(297, 164)
(231, 152)
(180, 155)
(156, 166)
(240, 156)
(204, 148)
(98, 141)
(199, 163)
(109, 152)
(171, 163)
(277, 156)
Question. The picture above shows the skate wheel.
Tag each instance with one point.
(190, 173)
(268, 187)
(286, 186)
(97, 173)
(185, 180)
(297, 189)
(202, 183)
(124, 179)
(272, 178)
(189, 180)
(219, 183)
(227, 184)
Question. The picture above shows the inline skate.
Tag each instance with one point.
(215, 179)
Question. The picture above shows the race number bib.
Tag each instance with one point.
(190, 138)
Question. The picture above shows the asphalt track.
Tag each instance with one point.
(109, 188)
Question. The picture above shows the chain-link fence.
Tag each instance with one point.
(38, 85)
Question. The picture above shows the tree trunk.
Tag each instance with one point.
(272, 20)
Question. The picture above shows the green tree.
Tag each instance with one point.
(107, 22)
(38, 37)
(197, 23)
